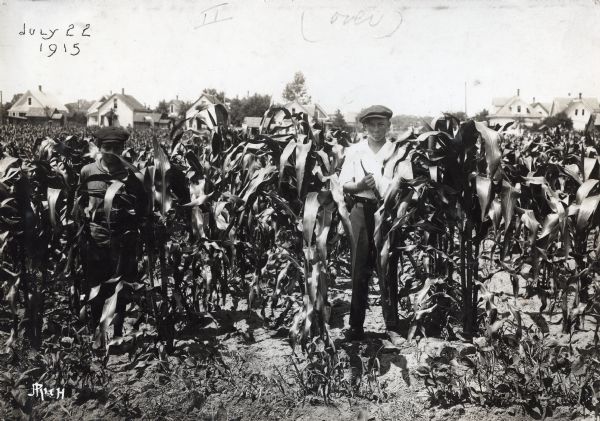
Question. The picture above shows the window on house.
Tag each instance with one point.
(519, 109)
(583, 112)
(527, 109)
(171, 107)
(28, 101)
(576, 111)
(115, 104)
(509, 108)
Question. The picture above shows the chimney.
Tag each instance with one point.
(533, 100)
(177, 97)
(569, 94)
(518, 92)
(579, 95)
(40, 88)
(122, 91)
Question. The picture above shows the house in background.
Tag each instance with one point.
(514, 109)
(175, 107)
(202, 102)
(38, 107)
(577, 109)
(92, 112)
(123, 110)
(251, 125)
(351, 119)
(315, 112)
(80, 106)
(541, 108)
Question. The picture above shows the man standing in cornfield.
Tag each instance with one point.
(109, 212)
(362, 178)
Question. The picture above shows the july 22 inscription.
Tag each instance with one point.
(58, 40)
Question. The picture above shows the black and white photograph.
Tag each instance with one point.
(236, 210)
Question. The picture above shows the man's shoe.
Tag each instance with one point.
(354, 334)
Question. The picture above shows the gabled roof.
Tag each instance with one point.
(545, 105)
(211, 98)
(131, 102)
(500, 101)
(308, 108)
(591, 103)
(44, 99)
(194, 107)
(561, 104)
(505, 108)
(94, 107)
(296, 103)
(312, 107)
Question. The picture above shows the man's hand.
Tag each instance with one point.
(367, 183)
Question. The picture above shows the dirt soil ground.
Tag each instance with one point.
(251, 375)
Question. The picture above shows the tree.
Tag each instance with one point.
(14, 99)
(219, 95)
(339, 121)
(7, 105)
(236, 112)
(163, 107)
(402, 122)
(251, 106)
(256, 105)
(78, 117)
(184, 107)
(483, 115)
(458, 114)
(561, 119)
(77, 112)
(296, 90)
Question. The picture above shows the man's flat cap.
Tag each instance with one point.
(111, 134)
(375, 111)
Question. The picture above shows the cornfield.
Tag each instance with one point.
(218, 216)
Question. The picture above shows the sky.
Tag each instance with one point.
(416, 57)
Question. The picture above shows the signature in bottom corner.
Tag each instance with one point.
(38, 390)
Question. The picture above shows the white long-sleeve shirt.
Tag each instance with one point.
(352, 171)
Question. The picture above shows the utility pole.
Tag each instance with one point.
(466, 98)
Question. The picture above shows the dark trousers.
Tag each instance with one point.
(108, 258)
(363, 263)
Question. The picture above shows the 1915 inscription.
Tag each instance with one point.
(58, 40)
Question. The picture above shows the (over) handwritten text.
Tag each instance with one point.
(371, 21)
